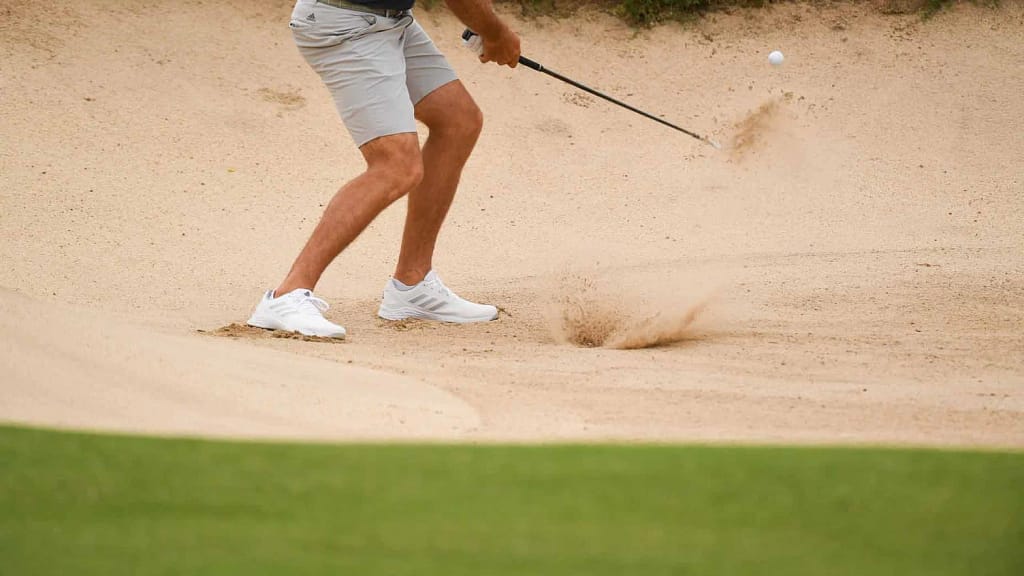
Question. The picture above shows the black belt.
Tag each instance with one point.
(368, 9)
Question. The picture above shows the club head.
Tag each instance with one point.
(714, 143)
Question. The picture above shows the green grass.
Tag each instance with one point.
(90, 504)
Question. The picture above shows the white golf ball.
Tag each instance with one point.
(776, 58)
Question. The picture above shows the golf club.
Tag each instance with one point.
(468, 35)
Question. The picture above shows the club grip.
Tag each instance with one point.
(468, 35)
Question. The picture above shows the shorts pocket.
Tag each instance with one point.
(322, 26)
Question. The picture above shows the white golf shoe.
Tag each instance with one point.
(432, 300)
(297, 311)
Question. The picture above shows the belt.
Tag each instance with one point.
(362, 8)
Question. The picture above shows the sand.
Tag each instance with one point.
(849, 270)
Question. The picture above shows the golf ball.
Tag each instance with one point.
(775, 58)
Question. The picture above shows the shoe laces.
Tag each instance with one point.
(309, 304)
(438, 286)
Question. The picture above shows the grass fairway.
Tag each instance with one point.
(91, 504)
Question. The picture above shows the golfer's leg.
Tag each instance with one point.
(393, 168)
(454, 121)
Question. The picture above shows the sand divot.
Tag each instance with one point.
(591, 316)
(406, 325)
(236, 330)
(668, 327)
(757, 129)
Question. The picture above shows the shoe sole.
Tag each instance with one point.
(406, 313)
(266, 324)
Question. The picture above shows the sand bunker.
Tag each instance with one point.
(162, 162)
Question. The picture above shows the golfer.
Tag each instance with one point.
(385, 73)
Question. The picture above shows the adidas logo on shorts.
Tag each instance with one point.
(311, 17)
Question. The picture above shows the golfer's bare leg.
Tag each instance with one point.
(393, 168)
(454, 121)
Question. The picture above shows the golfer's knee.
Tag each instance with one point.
(401, 174)
(462, 122)
(474, 120)
(411, 173)
(469, 122)
(451, 113)
(395, 163)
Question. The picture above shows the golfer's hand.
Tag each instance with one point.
(501, 48)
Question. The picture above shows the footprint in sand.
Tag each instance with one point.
(287, 99)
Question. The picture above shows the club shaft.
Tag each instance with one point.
(540, 68)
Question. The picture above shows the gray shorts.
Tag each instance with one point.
(376, 68)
